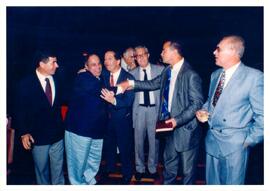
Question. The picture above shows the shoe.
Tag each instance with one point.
(154, 175)
(126, 181)
(138, 176)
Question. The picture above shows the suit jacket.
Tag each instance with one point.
(155, 71)
(87, 114)
(35, 115)
(187, 99)
(238, 115)
(123, 108)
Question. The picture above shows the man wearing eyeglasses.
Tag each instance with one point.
(180, 97)
(145, 110)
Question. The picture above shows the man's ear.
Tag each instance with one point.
(118, 62)
(85, 66)
(41, 64)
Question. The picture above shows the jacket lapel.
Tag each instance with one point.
(121, 76)
(232, 86)
(178, 81)
(40, 92)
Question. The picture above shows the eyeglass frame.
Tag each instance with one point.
(140, 56)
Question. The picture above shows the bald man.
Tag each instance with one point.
(86, 123)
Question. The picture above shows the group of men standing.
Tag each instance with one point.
(105, 105)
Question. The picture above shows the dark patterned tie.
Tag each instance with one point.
(165, 97)
(146, 97)
(48, 90)
(111, 80)
(219, 88)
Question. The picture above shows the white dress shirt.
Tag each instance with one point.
(116, 76)
(229, 72)
(42, 81)
(175, 70)
(149, 77)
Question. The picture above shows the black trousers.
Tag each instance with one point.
(119, 134)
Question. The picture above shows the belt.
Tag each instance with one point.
(151, 105)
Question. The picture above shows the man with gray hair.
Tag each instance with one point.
(145, 112)
(234, 111)
(128, 59)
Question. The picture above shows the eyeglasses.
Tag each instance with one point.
(139, 56)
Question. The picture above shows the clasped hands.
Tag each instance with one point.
(109, 96)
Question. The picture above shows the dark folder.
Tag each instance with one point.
(161, 126)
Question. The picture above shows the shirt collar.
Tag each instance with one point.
(116, 74)
(232, 69)
(178, 65)
(42, 77)
(147, 68)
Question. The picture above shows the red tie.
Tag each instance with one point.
(48, 90)
(111, 80)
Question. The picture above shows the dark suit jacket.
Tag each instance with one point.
(35, 115)
(119, 132)
(187, 99)
(87, 114)
(123, 109)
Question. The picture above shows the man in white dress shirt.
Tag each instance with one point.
(180, 97)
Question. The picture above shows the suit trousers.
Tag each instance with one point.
(119, 134)
(187, 160)
(145, 124)
(48, 161)
(83, 158)
(227, 170)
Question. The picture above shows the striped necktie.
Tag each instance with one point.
(219, 88)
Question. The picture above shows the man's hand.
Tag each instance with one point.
(202, 115)
(124, 86)
(172, 120)
(108, 95)
(27, 141)
(82, 70)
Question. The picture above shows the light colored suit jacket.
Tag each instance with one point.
(155, 71)
(187, 99)
(238, 115)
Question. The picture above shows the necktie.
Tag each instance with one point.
(48, 90)
(111, 81)
(165, 97)
(219, 88)
(146, 97)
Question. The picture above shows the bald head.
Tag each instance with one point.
(93, 65)
(237, 43)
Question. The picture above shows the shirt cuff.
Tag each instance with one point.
(114, 103)
(119, 90)
(131, 83)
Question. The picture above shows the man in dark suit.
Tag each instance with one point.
(86, 124)
(180, 97)
(119, 132)
(39, 120)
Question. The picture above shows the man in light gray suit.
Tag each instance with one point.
(234, 111)
(145, 110)
(180, 97)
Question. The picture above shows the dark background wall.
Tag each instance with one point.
(72, 30)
